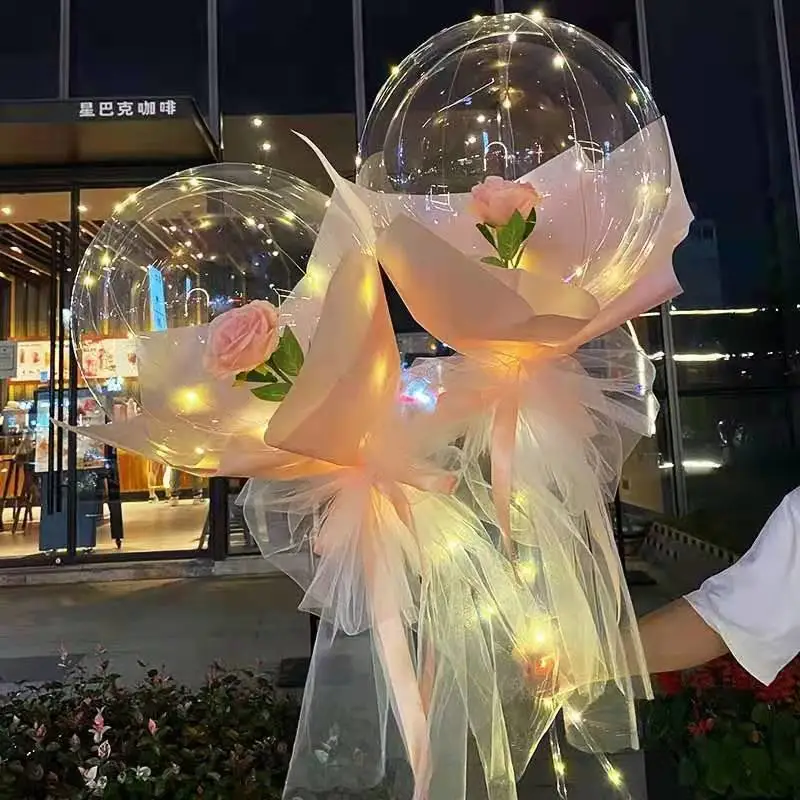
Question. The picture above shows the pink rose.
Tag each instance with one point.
(495, 200)
(241, 339)
(152, 727)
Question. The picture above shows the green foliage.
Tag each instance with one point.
(731, 737)
(288, 358)
(274, 392)
(90, 736)
(508, 240)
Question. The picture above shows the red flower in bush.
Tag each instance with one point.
(781, 690)
(701, 679)
(702, 727)
(669, 683)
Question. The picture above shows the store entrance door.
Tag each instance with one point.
(140, 507)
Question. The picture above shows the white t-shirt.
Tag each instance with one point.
(755, 604)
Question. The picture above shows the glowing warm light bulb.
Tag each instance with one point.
(358, 161)
(477, 18)
(82, 209)
(559, 61)
(634, 97)
(251, 221)
(614, 776)
(199, 451)
(266, 146)
(537, 15)
(506, 102)
(472, 138)
(256, 122)
(394, 69)
(481, 118)
(188, 400)
(7, 211)
(105, 259)
(559, 767)
(89, 280)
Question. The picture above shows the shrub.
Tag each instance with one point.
(91, 736)
(731, 736)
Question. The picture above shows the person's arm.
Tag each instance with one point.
(676, 638)
(751, 610)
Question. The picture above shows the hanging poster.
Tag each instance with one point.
(8, 359)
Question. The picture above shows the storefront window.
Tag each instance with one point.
(735, 327)
(612, 21)
(30, 250)
(151, 507)
(123, 502)
(282, 71)
(29, 55)
(156, 49)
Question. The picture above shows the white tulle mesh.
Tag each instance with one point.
(483, 644)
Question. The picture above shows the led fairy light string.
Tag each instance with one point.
(559, 769)
(613, 775)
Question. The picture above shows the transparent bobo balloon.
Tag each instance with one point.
(177, 255)
(526, 97)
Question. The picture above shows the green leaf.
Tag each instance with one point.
(486, 233)
(509, 237)
(254, 376)
(273, 392)
(494, 261)
(288, 358)
(687, 772)
(530, 224)
(761, 714)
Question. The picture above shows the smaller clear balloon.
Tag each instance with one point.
(200, 297)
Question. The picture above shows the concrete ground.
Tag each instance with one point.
(186, 624)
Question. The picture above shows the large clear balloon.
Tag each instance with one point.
(522, 97)
(173, 262)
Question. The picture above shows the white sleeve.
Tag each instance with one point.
(755, 604)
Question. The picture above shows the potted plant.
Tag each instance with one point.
(726, 735)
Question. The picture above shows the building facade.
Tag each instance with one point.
(241, 76)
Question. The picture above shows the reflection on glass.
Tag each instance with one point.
(740, 458)
(31, 227)
(140, 506)
(731, 326)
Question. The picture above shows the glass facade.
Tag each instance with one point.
(727, 352)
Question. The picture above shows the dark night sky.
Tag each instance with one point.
(714, 67)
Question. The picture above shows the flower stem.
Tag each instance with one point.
(282, 375)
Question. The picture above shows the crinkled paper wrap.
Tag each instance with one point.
(554, 415)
